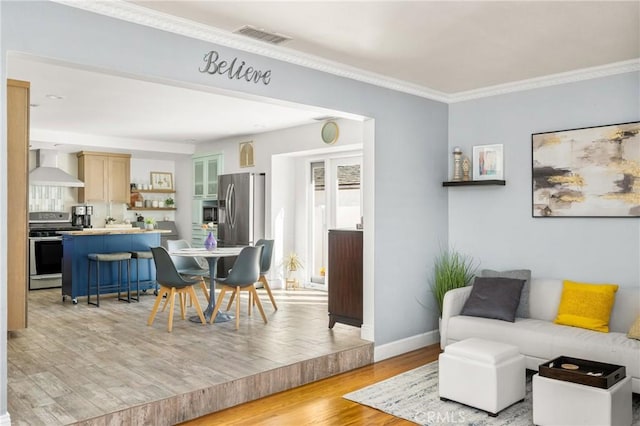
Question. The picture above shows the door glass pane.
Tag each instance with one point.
(319, 223)
(348, 211)
(198, 178)
(212, 177)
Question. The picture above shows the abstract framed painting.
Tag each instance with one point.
(488, 163)
(587, 172)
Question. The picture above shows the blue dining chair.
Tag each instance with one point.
(265, 265)
(172, 283)
(188, 266)
(242, 277)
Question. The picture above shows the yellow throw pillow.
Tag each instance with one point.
(634, 331)
(586, 305)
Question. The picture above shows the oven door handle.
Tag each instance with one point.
(45, 238)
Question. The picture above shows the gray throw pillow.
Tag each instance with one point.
(520, 274)
(495, 298)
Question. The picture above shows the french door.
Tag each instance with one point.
(335, 202)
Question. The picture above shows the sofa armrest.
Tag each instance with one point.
(451, 306)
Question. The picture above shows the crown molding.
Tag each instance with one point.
(130, 12)
(632, 65)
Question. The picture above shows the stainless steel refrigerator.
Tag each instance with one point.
(241, 209)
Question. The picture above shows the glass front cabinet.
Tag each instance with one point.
(205, 176)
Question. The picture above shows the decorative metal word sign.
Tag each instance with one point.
(233, 70)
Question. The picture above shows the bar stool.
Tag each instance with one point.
(137, 255)
(108, 257)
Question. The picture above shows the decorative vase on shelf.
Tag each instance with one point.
(210, 242)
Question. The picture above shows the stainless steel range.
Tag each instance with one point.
(45, 248)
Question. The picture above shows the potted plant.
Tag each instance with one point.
(451, 269)
(169, 202)
(149, 223)
(292, 263)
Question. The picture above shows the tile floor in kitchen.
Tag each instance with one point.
(101, 366)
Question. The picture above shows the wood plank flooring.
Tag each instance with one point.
(321, 403)
(96, 366)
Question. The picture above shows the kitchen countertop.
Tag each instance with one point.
(113, 231)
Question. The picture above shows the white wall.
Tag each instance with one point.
(141, 169)
(495, 224)
(276, 154)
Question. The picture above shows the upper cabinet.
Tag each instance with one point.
(205, 175)
(105, 175)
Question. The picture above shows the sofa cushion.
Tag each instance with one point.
(634, 331)
(586, 305)
(520, 274)
(496, 298)
(546, 341)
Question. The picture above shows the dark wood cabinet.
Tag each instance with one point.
(345, 277)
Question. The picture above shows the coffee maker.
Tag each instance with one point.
(81, 216)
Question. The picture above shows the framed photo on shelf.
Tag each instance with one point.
(162, 180)
(587, 172)
(488, 162)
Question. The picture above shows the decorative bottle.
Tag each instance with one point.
(210, 242)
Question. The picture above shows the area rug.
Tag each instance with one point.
(413, 396)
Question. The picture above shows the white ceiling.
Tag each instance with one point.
(443, 46)
(447, 46)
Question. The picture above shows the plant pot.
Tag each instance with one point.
(148, 226)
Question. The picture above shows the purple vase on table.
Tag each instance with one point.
(210, 242)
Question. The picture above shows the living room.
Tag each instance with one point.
(414, 138)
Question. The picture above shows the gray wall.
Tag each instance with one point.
(410, 134)
(494, 224)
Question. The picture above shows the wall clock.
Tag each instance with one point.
(330, 132)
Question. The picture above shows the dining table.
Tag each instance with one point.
(212, 257)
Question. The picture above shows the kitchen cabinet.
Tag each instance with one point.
(198, 234)
(105, 177)
(205, 176)
(345, 277)
(18, 93)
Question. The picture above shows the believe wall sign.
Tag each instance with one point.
(233, 69)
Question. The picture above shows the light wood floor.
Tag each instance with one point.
(96, 366)
(321, 403)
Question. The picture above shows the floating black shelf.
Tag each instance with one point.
(474, 182)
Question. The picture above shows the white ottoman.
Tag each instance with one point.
(556, 402)
(482, 374)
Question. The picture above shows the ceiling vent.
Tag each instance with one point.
(262, 35)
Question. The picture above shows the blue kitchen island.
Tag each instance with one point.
(76, 245)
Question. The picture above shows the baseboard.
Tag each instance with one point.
(5, 420)
(366, 333)
(405, 345)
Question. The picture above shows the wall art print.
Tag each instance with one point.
(588, 172)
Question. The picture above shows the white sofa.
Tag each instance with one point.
(540, 340)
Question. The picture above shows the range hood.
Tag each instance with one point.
(47, 172)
